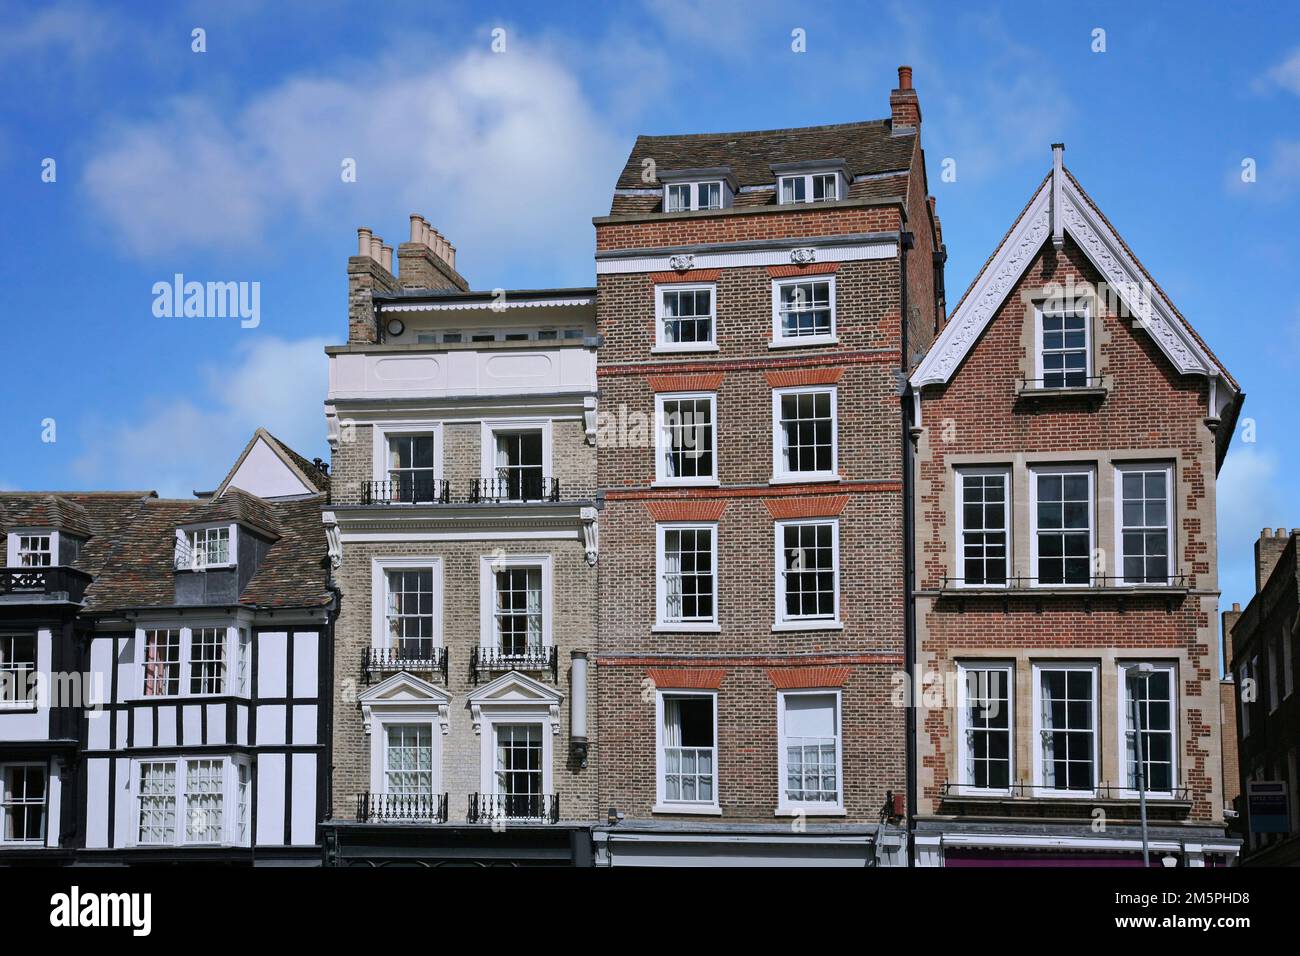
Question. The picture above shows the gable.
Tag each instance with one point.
(263, 470)
(1058, 208)
(513, 687)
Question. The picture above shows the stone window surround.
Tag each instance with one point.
(1111, 768)
(1104, 465)
(1098, 334)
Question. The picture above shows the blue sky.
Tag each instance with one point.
(225, 166)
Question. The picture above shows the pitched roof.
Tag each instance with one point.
(306, 472)
(234, 505)
(868, 148)
(38, 510)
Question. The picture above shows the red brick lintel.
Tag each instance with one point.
(790, 678)
(695, 382)
(693, 678)
(811, 269)
(686, 510)
(689, 275)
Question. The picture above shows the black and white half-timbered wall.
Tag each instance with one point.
(166, 670)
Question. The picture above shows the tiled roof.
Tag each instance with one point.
(318, 478)
(38, 510)
(235, 504)
(867, 148)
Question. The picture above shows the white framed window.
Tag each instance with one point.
(803, 311)
(17, 669)
(809, 187)
(24, 791)
(406, 462)
(1063, 352)
(683, 197)
(1065, 729)
(805, 442)
(516, 780)
(983, 526)
(515, 595)
(406, 755)
(1156, 700)
(210, 546)
(244, 662)
(687, 592)
(807, 574)
(408, 767)
(516, 459)
(192, 660)
(687, 317)
(809, 751)
(686, 439)
(191, 801)
(686, 751)
(985, 722)
(1145, 527)
(1063, 533)
(35, 551)
(407, 601)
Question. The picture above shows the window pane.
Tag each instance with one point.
(687, 438)
(1145, 533)
(1067, 738)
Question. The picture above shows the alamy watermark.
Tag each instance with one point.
(208, 300)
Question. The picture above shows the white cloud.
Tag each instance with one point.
(497, 150)
(185, 443)
(1286, 74)
(1251, 497)
(70, 31)
(1277, 174)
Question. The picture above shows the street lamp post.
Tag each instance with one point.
(1139, 674)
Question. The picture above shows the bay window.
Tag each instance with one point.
(192, 660)
(192, 801)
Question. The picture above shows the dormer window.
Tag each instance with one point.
(819, 187)
(198, 549)
(35, 551)
(683, 197)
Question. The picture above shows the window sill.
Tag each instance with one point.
(1097, 392)
(685, 483)
(686, 629)
(809, 811)
(805, 478)
(694, 809)
(679, 349)
(780, 626)
(803, 342)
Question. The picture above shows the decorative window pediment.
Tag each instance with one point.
(516, 692)
(404, 694)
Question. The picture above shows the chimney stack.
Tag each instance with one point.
(1230, 619)
(904, 106)
(1268, 549)
(370, 272)
(428, 261)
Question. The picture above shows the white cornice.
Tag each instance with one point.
(793, 252)
(488, 306)
(1102, 247)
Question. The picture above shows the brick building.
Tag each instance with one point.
(1070, 428)
(759, 296)
(462, 429)
(1262, 642)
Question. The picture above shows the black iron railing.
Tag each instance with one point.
(487, 660)
(1024, 583)
(1105, 791)
(52, 581)
(1061, 382)
(515, 487)
(406, 491)
(413, 656)
(521, 807)
(402, 807)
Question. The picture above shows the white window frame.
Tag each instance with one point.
(1081, 309)
(662, 805)
(516, 713)
(780, 474)
(1121, 469)
(780, 340)
(1035, 471)
(784, 623)
(661, 342)
(16, 551)
(230, 800)
(381, 432)
(784, 805)
(693, 194)
(662, 623)
(417, 713)
(491, 428)
(488, 566)
(379, 568)
(959, 510)
(43, 839)
(808, 178)
(234, 682)
(661, 466)
(188, 555)
(21, 681)
(1008, 670)
(1040, 788)
(1122, 718)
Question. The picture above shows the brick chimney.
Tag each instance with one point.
(904, 107)
(1230, 619)
(428, 260)
(1268, 549)
(367, 274)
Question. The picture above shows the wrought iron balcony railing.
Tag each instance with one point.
(515, 487)
(56, 581)
(406, 491)
(413, 656)
(518, 807)
(402, 807)
(488, 660)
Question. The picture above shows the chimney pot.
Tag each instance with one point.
(904, 77)
(1236, 606)
(363, 241)
(415, 228)
(386, 257)
(376, 248)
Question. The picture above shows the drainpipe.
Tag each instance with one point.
(909, 608)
